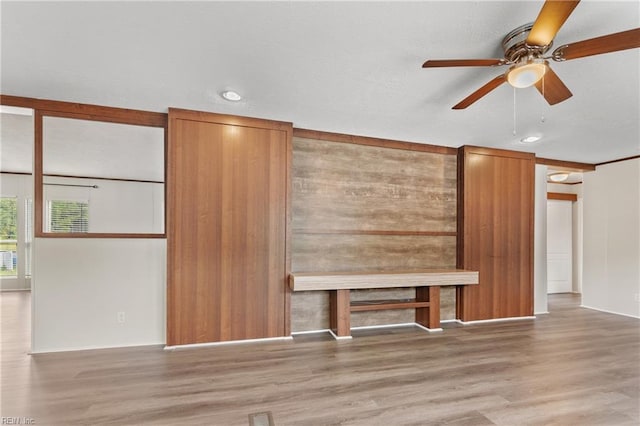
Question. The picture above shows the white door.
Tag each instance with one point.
(559, 252)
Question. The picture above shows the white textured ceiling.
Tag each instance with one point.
(348, 67)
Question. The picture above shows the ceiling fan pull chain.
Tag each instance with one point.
(514, 111)
(543, 79)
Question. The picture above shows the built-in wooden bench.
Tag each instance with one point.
(427, 283)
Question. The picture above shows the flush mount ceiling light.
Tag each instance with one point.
(526, 73)
(559, 176)
(530, 139)
(232, 96)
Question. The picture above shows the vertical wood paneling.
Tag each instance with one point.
(226, 229)
(495, 233)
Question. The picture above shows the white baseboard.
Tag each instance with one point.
(230, 342)
(609, 312)
(339, 337)
(496, 320)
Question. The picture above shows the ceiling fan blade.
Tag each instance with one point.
(551, 17)
(552, 88)
(481, 92)
(434, 63)
(595, 46)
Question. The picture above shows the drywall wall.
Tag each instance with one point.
(114, 206)
(81, 285)
(101, 292)
(611, 275)
(540, 242)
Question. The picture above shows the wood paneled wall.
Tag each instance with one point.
(364, 207)
(495, 233)
(227, 228)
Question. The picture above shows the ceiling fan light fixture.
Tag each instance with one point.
(527, 73)
(559, 176)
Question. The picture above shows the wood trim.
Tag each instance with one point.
(38, 180)
(102, 178)
(98, 235)
(373, 232)
(495, 152)
(84, 177)
(233, 120)
(16, 173)
(619, 160)
(365, 140)
(571, 166)
(380, 279)
(46, 108)
(288, 128)
(88, 111)
(561, 196)
(381, 305)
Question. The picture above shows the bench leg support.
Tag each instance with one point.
(340, 313)
(429, 317)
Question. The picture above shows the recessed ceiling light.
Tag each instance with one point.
(232, 96)
(530, 139)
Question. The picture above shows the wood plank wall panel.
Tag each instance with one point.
(369, 207)
(495, 235)
(340, 186)
(227, 215)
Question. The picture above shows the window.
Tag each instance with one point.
(8, 237)
(68, 216)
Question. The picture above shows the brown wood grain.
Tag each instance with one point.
(495, 235)
(561, 196)
(364, 140)
(428, 316)
(363, 188)
(558, 369)
(380, 279)
(387, 304)
(87, 111)
(227, 268)
(373, 232)
(571, 166)
(339, 301)
(363, 203)
(324, 253)
(47, 108)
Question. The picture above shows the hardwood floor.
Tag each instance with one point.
(571, 367)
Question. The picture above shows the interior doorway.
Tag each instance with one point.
(559, 246)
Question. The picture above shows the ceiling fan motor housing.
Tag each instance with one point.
(516, 48)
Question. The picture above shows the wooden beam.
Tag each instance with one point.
(570, 166)
(364, 140)
(561, 196)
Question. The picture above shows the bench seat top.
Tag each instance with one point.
(307, 281)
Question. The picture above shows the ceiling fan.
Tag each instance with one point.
(526, 46)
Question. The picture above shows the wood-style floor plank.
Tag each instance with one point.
(572, 366)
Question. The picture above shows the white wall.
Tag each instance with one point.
(80, 285)
(114, 206)
(540, 242)
(611, 269)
